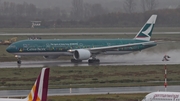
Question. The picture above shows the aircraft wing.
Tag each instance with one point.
(116, 46)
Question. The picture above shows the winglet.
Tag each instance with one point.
(40, 88)
(146, 31)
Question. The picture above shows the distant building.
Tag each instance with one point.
(36, 24)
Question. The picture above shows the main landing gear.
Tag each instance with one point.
(94, 61)
(90, 61)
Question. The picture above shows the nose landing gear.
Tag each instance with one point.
(18, 59)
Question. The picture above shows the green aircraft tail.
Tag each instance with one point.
(146, 31)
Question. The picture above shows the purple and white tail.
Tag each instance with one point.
(40, 88)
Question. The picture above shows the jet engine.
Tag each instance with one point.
(82, 54)
(50, 57)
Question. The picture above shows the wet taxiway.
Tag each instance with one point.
(29, 64)
(85, 91)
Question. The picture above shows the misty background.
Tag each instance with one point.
(87, 13)
(111, 5)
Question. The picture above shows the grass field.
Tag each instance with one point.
(92, 76)
(106, 97)
(84, 30)
(100, 97)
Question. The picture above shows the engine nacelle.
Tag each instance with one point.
(82, 54)
(50, 57)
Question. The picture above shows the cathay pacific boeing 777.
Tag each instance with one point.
(84, 49)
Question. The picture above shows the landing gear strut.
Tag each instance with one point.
(18, 61)
(75, 61)
(94, 60)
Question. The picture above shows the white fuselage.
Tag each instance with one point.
(68, 53)
(162, 96)
(10, 99)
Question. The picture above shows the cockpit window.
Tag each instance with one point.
(12, 46)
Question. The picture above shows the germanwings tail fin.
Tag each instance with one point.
(40, 87)
(146, 31)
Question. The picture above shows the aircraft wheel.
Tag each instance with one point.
(19, 62)
(75, 61)
(93, 61)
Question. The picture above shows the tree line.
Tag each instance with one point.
(85, 15)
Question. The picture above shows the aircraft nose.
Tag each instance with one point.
(8, 49)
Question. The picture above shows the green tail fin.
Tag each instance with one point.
(146, 31)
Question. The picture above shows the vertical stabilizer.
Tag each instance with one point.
(146, 31)
(40, 88)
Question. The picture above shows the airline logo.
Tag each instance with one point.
(166, 96)
(146, 31)
(33, 95)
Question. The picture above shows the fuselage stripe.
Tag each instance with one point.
(37, 88)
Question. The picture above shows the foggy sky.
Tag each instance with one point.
(112, 5)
